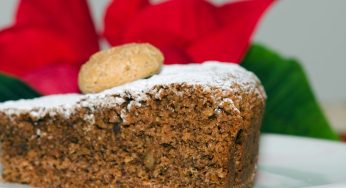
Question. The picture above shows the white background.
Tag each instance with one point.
(312, 31)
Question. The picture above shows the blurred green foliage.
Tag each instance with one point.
(13, 89)
(291, 107)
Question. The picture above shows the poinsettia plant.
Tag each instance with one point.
(51, 39)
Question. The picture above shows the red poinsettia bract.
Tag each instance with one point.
(51, 39)
(47, 43)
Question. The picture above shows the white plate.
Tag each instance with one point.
(289, 162)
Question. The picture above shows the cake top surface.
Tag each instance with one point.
(208, 74)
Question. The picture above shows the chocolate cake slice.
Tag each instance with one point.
(189, 126)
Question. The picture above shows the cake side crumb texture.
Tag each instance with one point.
(192, 125)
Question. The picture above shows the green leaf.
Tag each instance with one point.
(14, 89)
(291, 105)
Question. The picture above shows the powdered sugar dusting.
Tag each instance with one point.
(209, 74)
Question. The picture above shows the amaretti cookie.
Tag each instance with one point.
(194, 125)
(119, 65)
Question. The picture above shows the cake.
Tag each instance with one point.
(195, 125)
